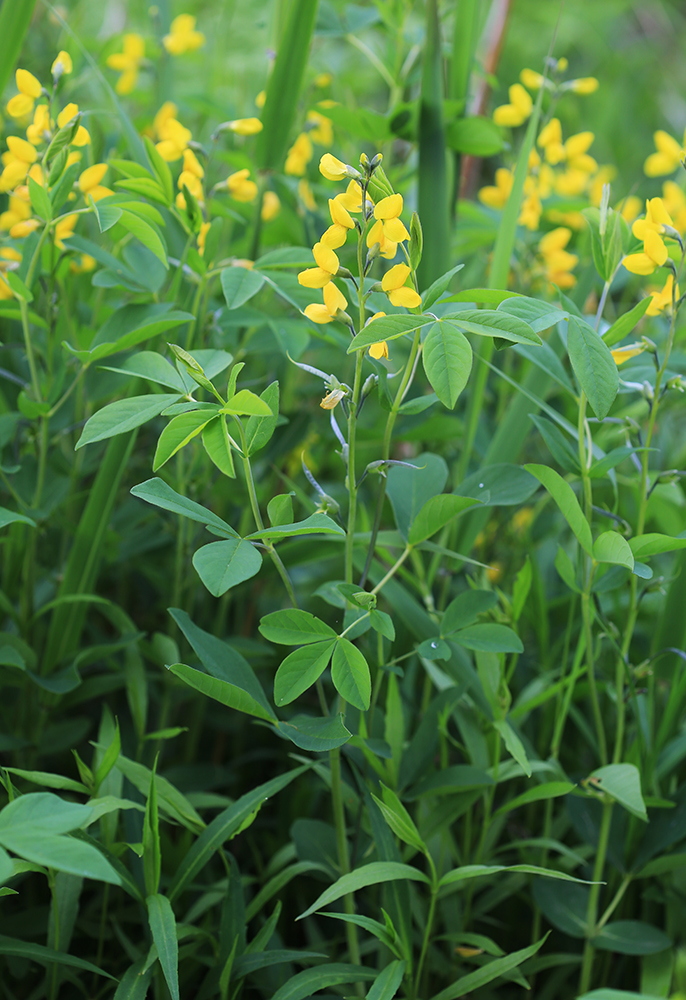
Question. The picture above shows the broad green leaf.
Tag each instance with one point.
(223, 827)
(10, 517)
(565, 910)
(222, 691)
(438, 287)
(318, 735)
(387, 983)
(362, 123)
(40, 200)
(623, 783)
(146, 233)
(611, 547)
(567, 570)
(31, 952)
(475, 136)
(489, 637)
(654, 544)
(304, 984)
(631, 937)
(48, 780)
(313, 525)
(465, 609)
(483, 296)
(160, 169)
(565, 498)
(539, 315)
(548, 790)
(124, 415)
(499, 485)
(293, 627)
(388, 328)
(216, 443)
(408, 489)
(259, 430)
(494, 323)
(151, 365)
(163, 927)
(301, 669)
(134, 983)
(145, 186)
(178, 433)
(280, 509)
(6, 866)
(623, 326)
(436, 513)
(593, 366)
(447, 360)
(383, 623)
(159, 493)
(487, 973)
(222, 565)
(239, 285)
(107, 215)
(350, 675)
(371, 874)
(248, 404)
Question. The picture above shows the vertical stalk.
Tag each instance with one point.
(342, 844)
(594, 895)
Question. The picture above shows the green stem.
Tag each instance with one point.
(590, 669)
(427, 935)
(342, 844)
(24, 311)
(352, 484)
(594, 895)
(393, 570)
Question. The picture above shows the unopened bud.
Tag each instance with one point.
(369, 385)
(677, 383)
(648, 391)
(376, 160)
(416, 241)
(364, 163)
(649, 345)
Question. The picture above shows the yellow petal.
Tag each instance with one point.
(318, 313)
(28, 84)
(19, 106)
(639, 263)
(334, 299)
(579, 144)
(521, 100)
(314, 277)
(389, 208)
(531, 79)
(395, 277)
(92, 176)
(339, 214)
(655, 248)
(325, 258)
(552, 132)
(334, 237)
(622, 354)
(379, 350)
(271, 206)
(508, 116)
(585, 85)
(406, 297)
(657, 164)
(375, 234)
(395, 231)
(246, 126)
(66, 114)
(62, 64)
(332, 168)
(21, 149)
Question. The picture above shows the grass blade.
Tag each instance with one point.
(15, 19)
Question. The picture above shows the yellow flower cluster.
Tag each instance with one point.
(182, 36)
(128, 62)
(318, 129)
(521, 105)
(557, 261)
(668, 156)
(652, 230)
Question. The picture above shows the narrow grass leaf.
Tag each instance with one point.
(487, 973)
(304, 984)
(387, 983)
(565, 498)
(163, 927)
(371, 874)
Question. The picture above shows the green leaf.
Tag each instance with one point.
(436, 513)
(107, 215)
(163, 927)
(350, 675)
(18, 286)
(623, 326)
(383, 623)
(124, 415)
(565, 498)
(280, 509)
(318, 735)
(160, 169)
(31, 952)
(447, 360)
(489, 637)
(222, 565)
(129, 326)
(246, 964)
(408, 489)
(487, 973)
(146, 233)
(313, 525)
(246, 402)
(301, 669)
(623, 783)
(304, 984)
(40, 202)
(475, 136)
(465, 609)
(216, 443)
(387, 983)
(548, 790)
(499, 485)
(565, 910)
(654, 544)
(10, 517)
(159, 493)
(15, 20)
(398, 818)
(223, 827)
(593, 366)
(169, 798)
(178, 433)
(631, 937)
(467, 872)
(483, 296)
(371, 874)
(611, 547)
(565, 567)
(608, 994)
(388, 328)
(259, 430)
(494, 323)
(362, 123)
(134, 983)
(151, 365)
(293, 627)
(145, 186)
(439, 286)
(513, 744)
(239, 285)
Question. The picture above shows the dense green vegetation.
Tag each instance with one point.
(342, 520)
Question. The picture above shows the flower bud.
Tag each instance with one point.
(416, 241)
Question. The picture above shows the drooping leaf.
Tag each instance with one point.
(239, 284)
(447, 360)
(159, 493)
(350, 675)
(593, 366)
(563, 495)
(301, 669)
(623, 783)
(436, 513)
(371, 874)
(124, 415)
(222, 565)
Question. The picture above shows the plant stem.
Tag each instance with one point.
(594, 895)
(342, 844)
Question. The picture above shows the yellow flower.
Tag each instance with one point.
(245, 126)
(14, 172)
(531, 212)
(654, 254)
(168, 111)
(271, 206)
(30, 89)
(571, 183)
(83, 264)
(332, 399)
(202, 236)
(61, 65)
(557, 262)
(306, 196)
(89, 182)
(388, 230)
(327, 266)
(584, 85)
(576, 151)
(351, 198)
(65, 228)
(550, 140)
(334, 300)
(240, 187)
(495, 196)
(630, 207)
(622, 354)
(656, 218)
(321, 130)
(517, 111)
(323, 80)
(334, 169)
(336, 235)
(674, 201)
(18, 211)
(21, 229)
(393, 284)
(260, 99)
(39, 130)
(531, 79)
(666, 159)
(380, 348)
(174, 140)
(128, 62)
(21, 149)
(661, 300)
(299, 155)
(183, 37)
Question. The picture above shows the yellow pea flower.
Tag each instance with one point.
(656, 218)
(271, 206)
(39, 130)
(183, 37)
(260, 99)
(306, 196)
(18, 211)
(334, 169)
(571, 183)
(496, 195)
(351, 198)
(21, 229)
(336, 235)
(531, 79)
(240, 187)
(62, 65)
(517, 111)
(531, 212)
(332, 399)
(168, 111)
(550, 140)
(89, 182)
(661, 300)
(30, 89)
(654, 255)
(128, 62)
(327, 266)
(321, 128)
(334, 300)
(622, 354)
(584, 85)
(299, 155)
(245, 126)
(21, 149)
(174, 140)
(64, 229)
(667, 158)
(15, 171)
(388, 230)
(393, 284)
